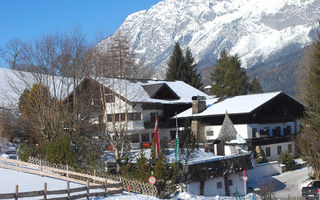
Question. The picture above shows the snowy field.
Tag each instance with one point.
(30, 182)
(288, 183)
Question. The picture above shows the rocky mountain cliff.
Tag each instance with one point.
(262, 33)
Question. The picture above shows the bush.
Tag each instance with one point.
(164, 145)
(287, 159)
(59, 150)
(25, 152)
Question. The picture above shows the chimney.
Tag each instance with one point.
(198, 104)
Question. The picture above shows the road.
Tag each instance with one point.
(289, 184)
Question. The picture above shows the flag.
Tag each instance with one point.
(156, 138)
(176, 144)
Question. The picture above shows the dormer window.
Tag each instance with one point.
(161, 91)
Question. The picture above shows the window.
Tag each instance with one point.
(110, 98)
(268, 151)
(266, 131)
(254, 132)
(134, 116)
(279, 150)
(229, 182)
(210, 133)
(289, 148)
(276, 131)
(287, 130)
(145, 137)
(134, 138)
(219, 185)
(122, 117)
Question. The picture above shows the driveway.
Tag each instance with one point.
(289, 184)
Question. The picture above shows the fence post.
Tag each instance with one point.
(94, 174)
(67, 172)
(88, 188)
(68, 189)
(45, 191)
(16, 194)
(105, 188)
(41, 167)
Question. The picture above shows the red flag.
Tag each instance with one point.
(156, 138)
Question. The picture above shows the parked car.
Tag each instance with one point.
(11, 154)
(312, 190)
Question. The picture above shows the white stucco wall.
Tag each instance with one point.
(261, 171)
(242, 129)
(211, 189)
(274, 149)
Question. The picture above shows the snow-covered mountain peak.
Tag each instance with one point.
(258, 31)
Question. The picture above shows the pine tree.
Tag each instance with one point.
(255, 86)
(193, 77)
(229, 79)
(23, 99)
(175, 69)
(309, 141)
(143, 168)
(181, 67)
(187, 143)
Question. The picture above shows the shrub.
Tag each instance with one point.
(59, 150)
(287, 159)
(25, 152)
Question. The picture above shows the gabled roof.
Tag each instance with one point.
(146, 90)
(13, 83)
(160, 91)
(235, 105)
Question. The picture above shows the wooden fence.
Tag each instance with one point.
(68, 192)
(127, 184)
(45, 168)
(114, 187)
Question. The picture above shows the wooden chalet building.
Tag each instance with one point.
(221, 175)
(270, 120)
(142, 100)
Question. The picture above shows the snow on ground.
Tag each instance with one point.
(201, 156)
(292, 182)
(180, 196)
(29, 182)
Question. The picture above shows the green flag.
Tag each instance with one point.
(176, 144)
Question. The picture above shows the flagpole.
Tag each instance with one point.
(156, 137)
(176, 146)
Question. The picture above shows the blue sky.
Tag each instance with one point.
(28, 19)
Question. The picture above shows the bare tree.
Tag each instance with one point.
(54, 65)
(302, 74)
(114, 68)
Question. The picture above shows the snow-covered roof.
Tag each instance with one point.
(14, 82)
(137, 90)
(238, 140)
(233, 105)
